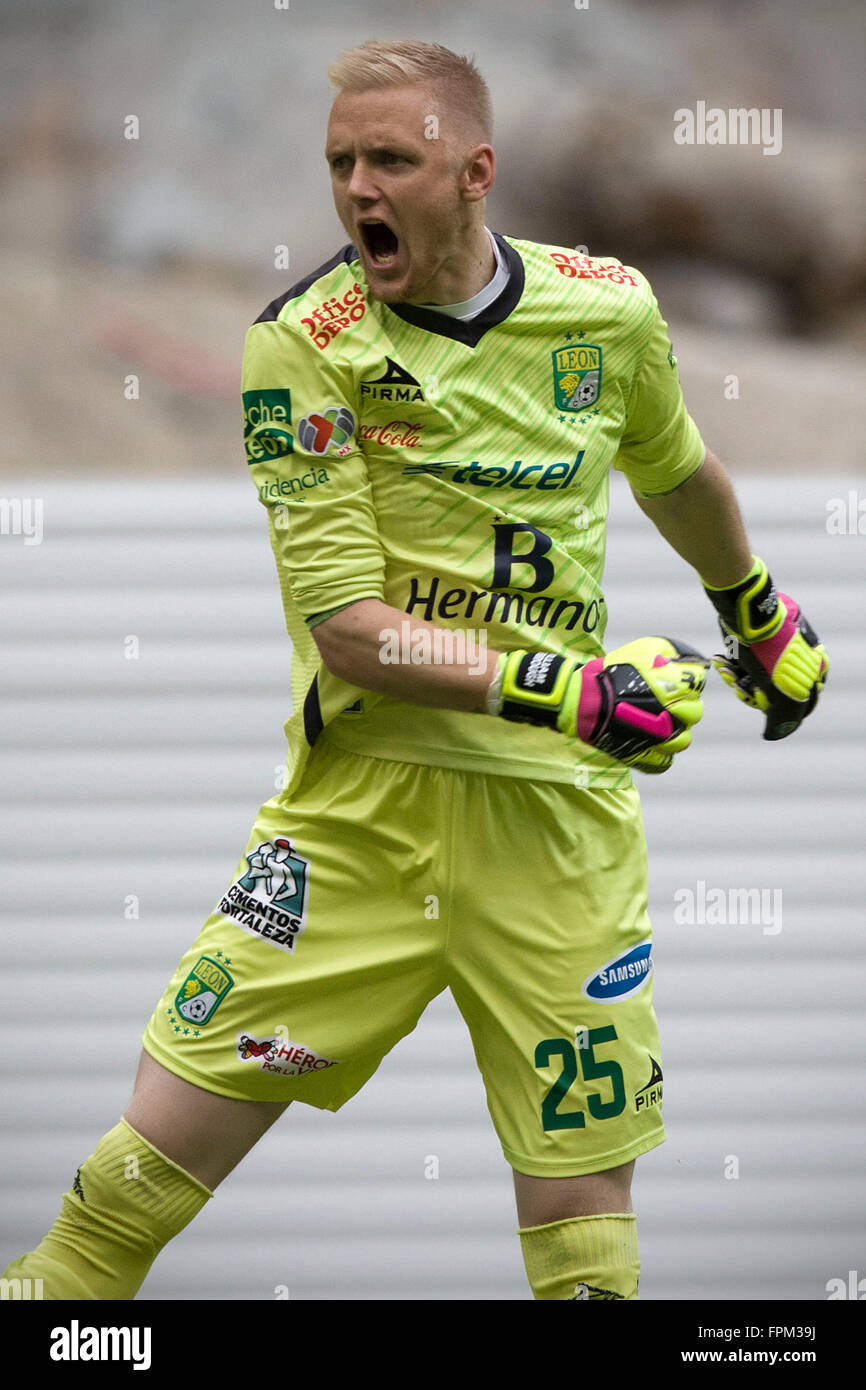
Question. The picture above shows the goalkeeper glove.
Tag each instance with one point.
(637, 704)
(773, 659)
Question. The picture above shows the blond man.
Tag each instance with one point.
(430, 420)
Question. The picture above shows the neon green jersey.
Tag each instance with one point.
(459, 472)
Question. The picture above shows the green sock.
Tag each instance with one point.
(584, 1257)
(127, 1201)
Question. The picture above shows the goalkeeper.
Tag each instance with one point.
(430, 421)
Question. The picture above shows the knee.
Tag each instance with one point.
(544, 1200)
(578, 1235)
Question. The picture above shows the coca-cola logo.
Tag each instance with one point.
(398, 434)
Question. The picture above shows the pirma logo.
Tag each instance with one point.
(395, 384)
(651, 1093)
(621, 977)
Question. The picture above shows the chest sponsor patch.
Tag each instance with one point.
(332, 316)
(546, 477)
(397, 434)
(395, 385)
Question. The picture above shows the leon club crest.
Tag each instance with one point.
(576, 376)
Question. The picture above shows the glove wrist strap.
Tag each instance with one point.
(750, 609)
(535, 688)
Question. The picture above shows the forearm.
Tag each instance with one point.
(380, 648)
(623, 704)
(701, 520)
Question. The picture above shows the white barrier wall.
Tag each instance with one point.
(142, 776)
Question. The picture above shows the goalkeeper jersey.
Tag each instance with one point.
(459, 471)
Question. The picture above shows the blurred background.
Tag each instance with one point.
(152, 255)
(133, 768)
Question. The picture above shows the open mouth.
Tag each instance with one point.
(381, 243)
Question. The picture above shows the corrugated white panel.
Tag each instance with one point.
(143, 777)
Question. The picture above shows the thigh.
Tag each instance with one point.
(551, 967)
(320, 954)
(204, 1133)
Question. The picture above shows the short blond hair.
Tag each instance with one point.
(383, 63)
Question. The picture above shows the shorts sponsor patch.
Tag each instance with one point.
(621, 977)
(651, 1093)
(282, 1056)
(202, 992)
(270, 899)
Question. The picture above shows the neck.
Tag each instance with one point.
(471, 269)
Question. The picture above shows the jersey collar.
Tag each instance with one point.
(471, 331)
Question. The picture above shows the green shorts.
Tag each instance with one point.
(375, 886)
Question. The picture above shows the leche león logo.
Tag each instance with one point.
(270, 899)
(202, 992)
(576, 376)
(267, 416)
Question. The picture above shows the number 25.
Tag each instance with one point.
(592, 1069)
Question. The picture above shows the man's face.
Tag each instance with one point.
(398, 194)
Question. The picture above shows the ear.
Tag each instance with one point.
(479, 173)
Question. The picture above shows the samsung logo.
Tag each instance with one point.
(621, 977)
